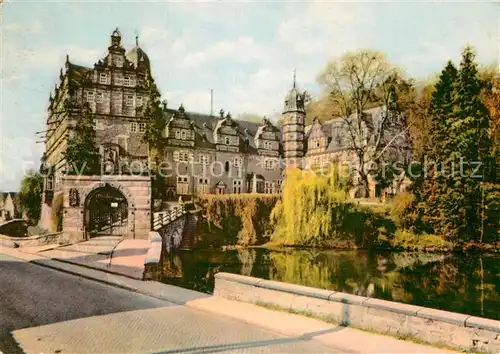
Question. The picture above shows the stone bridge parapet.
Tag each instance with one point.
(431, 326)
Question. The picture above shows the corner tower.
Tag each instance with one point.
(293, 120)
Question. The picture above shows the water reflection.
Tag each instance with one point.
(467, 284)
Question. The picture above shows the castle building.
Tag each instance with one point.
(204, 154)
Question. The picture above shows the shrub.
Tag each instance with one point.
(237, 219)
(400, 206)
(408, 240)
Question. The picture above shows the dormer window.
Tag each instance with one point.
(227, 140)
(183, 135)
(317, 143)
(103, 78)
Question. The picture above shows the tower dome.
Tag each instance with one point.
(138, 57)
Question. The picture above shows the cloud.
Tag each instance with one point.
(242, 50)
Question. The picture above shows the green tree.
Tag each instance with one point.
(82, 154)
(450, 200)
(154, 136)
(30, 195)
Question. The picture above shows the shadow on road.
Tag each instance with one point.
(254, 344)
(31, 295)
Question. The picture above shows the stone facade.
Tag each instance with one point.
(136, 190)
(432, 326)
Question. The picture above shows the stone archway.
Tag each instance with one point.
(106, 212)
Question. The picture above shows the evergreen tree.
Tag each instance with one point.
(442, 113)
(82, 155)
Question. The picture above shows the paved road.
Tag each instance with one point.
(43, 310)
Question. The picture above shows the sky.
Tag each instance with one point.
(245, 51)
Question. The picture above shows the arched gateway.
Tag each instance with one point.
(106, 212)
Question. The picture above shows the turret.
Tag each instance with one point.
(293, 119)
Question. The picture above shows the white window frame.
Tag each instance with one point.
(90, 96)
(103, 78)
(227, 140)
(129, 100)
(134, 127)
(127, 81)
(142, 127)
(138, 101)
(183, 135)
(99, 98)
(178, 134)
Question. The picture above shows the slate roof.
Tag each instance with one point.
(205, 124)
(78, 74)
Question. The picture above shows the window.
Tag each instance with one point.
(227, 140)
(126, 81)
(50, 183)
(268, 145)
(138, 101)
(237, 186)
(226, 166)
(90, 96)
(103, 78)
(134, 127)
(204, 159)
(317, 143)
(177, 134)
(183, 135)
(268, 187)
(182, 185)
(100, 97)
(142, 127)
(182, 156)
(269, 164)
(129, 100)
(238, 162)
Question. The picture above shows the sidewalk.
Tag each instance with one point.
(338, 337)
(110, 254)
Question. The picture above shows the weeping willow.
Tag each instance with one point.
(311, 208)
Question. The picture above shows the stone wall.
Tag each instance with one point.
(429, 325)
(172, 233)
(136, 189)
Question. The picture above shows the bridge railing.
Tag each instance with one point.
(164, 218)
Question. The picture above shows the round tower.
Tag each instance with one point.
(293, 122)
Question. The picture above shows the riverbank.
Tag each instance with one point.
(467, 248)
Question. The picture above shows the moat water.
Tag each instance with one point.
(468, 284)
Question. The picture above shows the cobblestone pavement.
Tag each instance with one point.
(43, 310)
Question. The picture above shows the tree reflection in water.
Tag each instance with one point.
(461, 283)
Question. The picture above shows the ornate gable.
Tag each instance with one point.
(180, 129)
